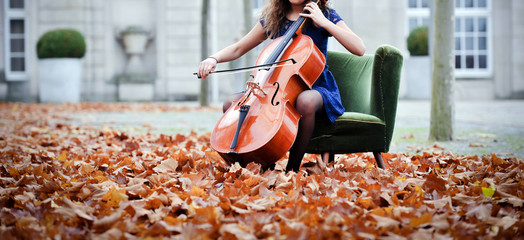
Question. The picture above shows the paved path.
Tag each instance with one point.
(492, 113)
(480, 127)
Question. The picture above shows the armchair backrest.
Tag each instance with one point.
(353, 75)
(369, 84)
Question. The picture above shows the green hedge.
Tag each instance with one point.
(61, 43)
(418, 41)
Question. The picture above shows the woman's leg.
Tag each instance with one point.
(307, 104)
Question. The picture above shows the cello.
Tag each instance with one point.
(262, 125)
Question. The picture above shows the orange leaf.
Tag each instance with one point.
(113, 197)
(434, 182)
(62, 157)
(14, 173)
(153, 203)
(171, 220)
(86, 169)
(364, 202)
(197, 192)
(417, 221)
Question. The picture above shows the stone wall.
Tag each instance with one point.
(230, 28)
(377, 22)
(2, 64)
(174, 52)
(181, 39)
(3, 85)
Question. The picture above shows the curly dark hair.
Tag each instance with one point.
(275, 12)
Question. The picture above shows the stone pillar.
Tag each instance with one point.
(517, 48)
(502, 52)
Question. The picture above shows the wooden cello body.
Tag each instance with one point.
(261, 127)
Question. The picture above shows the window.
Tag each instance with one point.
(418, 14)
(472, 38)
(472, 34)
(15, 40)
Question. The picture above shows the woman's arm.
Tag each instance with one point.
(252, 39)
(340, 31)
(346, 37)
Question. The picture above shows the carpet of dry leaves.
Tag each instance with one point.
(64, 181)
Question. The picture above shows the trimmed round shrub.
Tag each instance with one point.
(61, 43)
(418, 41)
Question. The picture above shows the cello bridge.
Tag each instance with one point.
(255, 88)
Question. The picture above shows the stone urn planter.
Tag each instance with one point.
(60, 80)
(60, 55)
(135, 83)
(134, 41)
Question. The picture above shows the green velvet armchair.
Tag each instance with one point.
(369, 88)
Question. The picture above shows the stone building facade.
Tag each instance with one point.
(491, 64)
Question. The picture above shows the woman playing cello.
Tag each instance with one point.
(324, 98)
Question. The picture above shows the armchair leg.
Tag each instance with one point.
(328, 157)
(378, 158)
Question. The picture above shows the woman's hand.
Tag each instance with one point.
(208, 65)
(315, 14)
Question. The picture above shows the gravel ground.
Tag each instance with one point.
(480, 127)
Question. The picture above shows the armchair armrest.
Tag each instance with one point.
(387, 67)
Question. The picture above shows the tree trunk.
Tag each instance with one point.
(442, 99)
(204, 48)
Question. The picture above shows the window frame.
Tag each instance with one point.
(419, 12)
(10, 15)
(475, 13)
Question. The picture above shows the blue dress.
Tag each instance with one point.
(325, 84)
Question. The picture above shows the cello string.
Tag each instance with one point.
(266, 65)
(249, 70)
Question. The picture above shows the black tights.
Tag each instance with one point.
(308, 103)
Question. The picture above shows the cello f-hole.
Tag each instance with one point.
(274, 95)
(245, 99)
